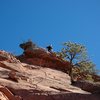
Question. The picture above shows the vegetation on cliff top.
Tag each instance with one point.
(81, 67)
(80, 63)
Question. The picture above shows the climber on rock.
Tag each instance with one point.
(49, 48)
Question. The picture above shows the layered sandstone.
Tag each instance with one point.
(30, 80)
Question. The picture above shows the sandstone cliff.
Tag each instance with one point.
(39, 75)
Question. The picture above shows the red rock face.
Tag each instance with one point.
(96, 78)
(5, 56)
(8, 95)
(18, 82)
(44, 59)
(68, 96)
(88, 86)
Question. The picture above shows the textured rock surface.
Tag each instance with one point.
(3, 96)
(30, 82)
(7, 95)
(88, 86)
(38, 56)
(45, 59)
(96, 78)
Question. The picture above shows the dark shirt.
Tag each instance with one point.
(49, 48)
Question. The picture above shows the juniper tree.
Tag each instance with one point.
(76, 54)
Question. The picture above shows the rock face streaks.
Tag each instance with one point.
(40, 75)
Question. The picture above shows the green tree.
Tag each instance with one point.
(76, 54)
(87, 66)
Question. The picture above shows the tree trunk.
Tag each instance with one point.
(71, 72)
